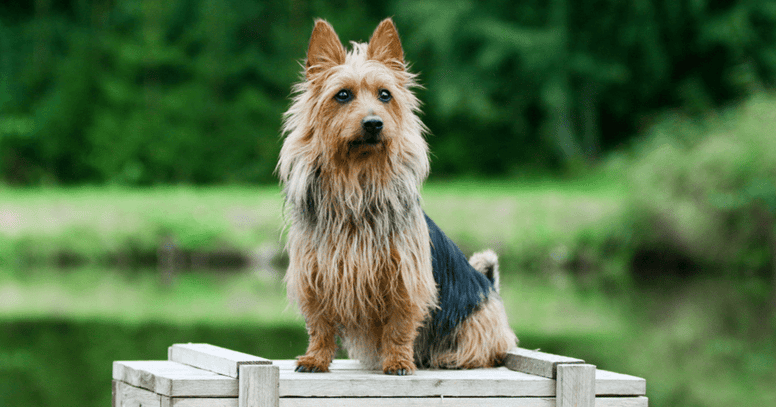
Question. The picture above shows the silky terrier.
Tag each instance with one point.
(366, 263)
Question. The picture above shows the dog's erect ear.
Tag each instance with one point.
(385, 46)
(325, 49)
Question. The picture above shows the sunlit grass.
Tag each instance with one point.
(92, 223)
(517, 216)
(111, 213)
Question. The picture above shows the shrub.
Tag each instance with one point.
(703, 194)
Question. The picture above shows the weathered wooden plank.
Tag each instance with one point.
(174, 379)
(259, 386)
(347, 382)
(607, 383)
(349, 379)
(617, 384)
(337, 364)
(409, 402)
(535, 362)
(418, 402)
(213, 358)
(575, 385)
(639, 401)
(453, 402)
(125, 395)
(198, 402)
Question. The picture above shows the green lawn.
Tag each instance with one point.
(93, 224)
(93, 220)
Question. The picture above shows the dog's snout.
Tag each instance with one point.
(372, 124)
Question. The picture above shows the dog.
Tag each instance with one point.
(365, 262)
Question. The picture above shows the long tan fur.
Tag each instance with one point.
(358, 243)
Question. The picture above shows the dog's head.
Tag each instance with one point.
(355, 111)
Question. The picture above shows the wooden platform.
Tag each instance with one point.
(205, 375)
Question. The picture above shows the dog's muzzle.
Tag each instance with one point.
(372, 127)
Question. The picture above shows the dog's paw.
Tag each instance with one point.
(399, 368)
(308, 369)
(307, 364)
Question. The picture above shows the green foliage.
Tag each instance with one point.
(565, 79)
(192, 91)
(704, 189)
(175, 103)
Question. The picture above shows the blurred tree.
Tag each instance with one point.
(143, 92)
(179, 102)
(582, 74)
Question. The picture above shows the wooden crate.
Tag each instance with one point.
(205, 375)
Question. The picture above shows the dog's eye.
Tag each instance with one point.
(384, 96)
(343, 96)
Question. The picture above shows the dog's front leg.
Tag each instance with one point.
(322, 346)
(398, 337)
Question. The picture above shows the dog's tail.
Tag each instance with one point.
(486, 262)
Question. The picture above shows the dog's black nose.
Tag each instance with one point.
(372, 124)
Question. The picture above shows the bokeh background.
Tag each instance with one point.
(619, 155)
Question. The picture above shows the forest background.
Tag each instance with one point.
(618, 154)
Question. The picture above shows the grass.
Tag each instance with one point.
(116, 226)
(54, 210)
(521, 220)
(127, 226)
